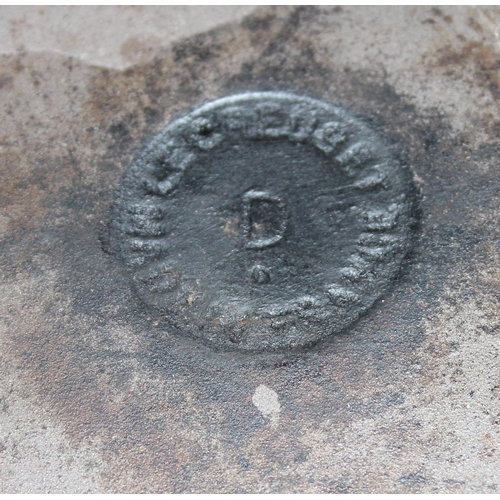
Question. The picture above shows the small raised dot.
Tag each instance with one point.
(260, 274)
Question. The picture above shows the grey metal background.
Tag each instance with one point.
(96, 396)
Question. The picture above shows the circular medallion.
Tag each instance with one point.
(263, 221)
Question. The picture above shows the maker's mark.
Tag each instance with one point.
(263, 221)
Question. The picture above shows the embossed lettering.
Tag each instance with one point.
(145, 220)
(370, 239)
(380, 220)
(202, 132)
(373, 253)
(145, 251)
(341, 296)
(264, 219)
(240, 119)
(329, 136)
(356, 158)
(302, 123)
(376, 178)
(273, 121)
(166, 172)
(352, 274)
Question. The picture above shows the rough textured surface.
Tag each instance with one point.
(96, 396)
(118, 37)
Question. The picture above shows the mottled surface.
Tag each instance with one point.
(95, 395)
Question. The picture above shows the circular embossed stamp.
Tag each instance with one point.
(263, 221)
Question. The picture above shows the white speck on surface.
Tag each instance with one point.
(266, 401)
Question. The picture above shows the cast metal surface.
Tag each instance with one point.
(99, 394)
(263, 221)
